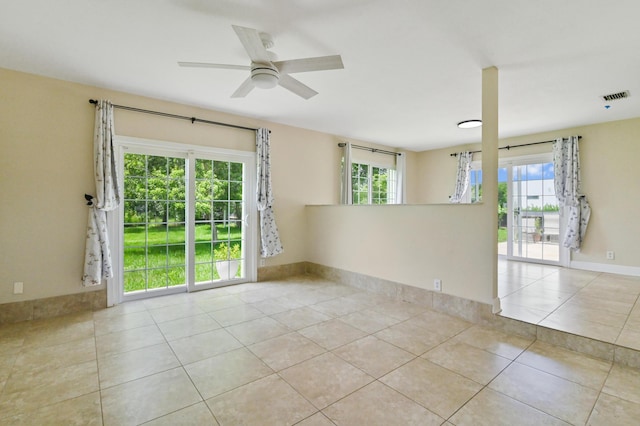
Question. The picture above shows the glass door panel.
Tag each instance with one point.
(535, 213)
(154, 223)
(219, 219)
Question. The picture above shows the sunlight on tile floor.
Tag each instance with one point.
(591, 304)
(308, 352)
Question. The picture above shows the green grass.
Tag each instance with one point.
(502, 235)
(154, 257)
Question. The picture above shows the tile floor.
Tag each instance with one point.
(591, 304)
(301, 351)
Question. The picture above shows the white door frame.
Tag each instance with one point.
(115, 218)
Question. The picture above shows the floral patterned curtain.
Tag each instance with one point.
(462, 178)
(270, 239)
(97, 259)
(566, 164)
(346, 196)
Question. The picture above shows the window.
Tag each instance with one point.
(186, 220)
(372, 184)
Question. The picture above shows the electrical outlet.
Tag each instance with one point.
(262, 262)
(611, 255)
(18, 288)
(437, 285)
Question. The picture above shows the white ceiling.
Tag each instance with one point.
(412, 67)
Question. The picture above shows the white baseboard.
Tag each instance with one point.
(605, 267)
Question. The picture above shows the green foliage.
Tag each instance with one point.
(226, 252)
(545, 208)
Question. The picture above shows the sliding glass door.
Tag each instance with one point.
(185, 222)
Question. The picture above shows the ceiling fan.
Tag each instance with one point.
(266, 72)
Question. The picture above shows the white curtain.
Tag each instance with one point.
(566, 164)
(270, 239)
(97, 258)
(462, 177)
(346, 195)
(401, 182)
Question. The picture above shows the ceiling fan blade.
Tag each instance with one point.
(296, 86)
(244, 89)
(209, 65)
(320, 63)
(252, 43)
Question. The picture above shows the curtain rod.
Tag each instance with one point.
(366, 148)
(181, 117)
(455, 154)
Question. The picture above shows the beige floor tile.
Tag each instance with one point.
(610, 410)
(126, 366)
(332, 334)
(435, 388)
(12, 339)
(148, 398)
(185, 327)
(399, 310)
(309, 297)
(57, 332)
(540, 302)
(122, 322)
(217, 303)
(339, 307)
(194, 415)
(83, 410)
(374, 356)
(468, 361)
(623, 382)
(377, 404)
(369, 320)
(6, 365)
(121, 309)
(258, 330)
(523, 313)
(174, 312)
(299, 318)
(275, 306)
(325, 379)
(127, 340)
(411, 336)
(570, 365)
(204, 345)
(553, 395)
(284, 351)
(494, 341)
(227, 371)
(317, 419)
(30, 391)
(164, 301)
(602, 304)
(267, 401)
(629, 338)
(236, 315)
(574, 312)
(490, 408)
(439, 323)
(592, 330)
(56, 356)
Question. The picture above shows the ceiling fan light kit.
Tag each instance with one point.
(264, 76)
(267, 74)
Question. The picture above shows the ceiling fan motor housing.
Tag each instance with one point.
(264, 76)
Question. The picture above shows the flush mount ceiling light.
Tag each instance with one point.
(469, 124)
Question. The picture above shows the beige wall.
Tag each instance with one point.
(610, 178)
(46, 150)
(408, 244)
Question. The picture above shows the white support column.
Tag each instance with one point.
(490, 168)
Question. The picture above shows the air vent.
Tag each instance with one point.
(616, 96)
